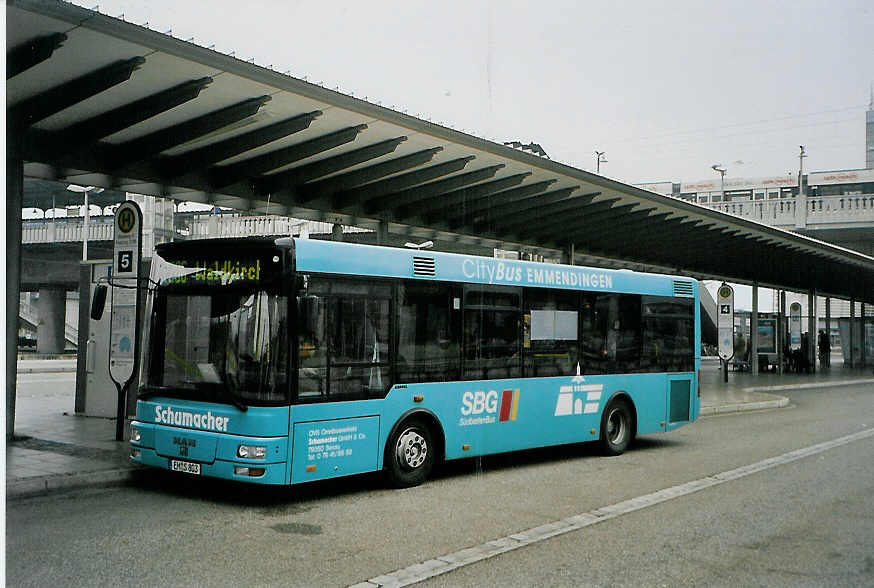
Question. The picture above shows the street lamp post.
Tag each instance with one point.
(801, 204)
(599, 159)
(85, 190)
(720, 169)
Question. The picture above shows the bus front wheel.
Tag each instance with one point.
(410, 454)
(617, 427)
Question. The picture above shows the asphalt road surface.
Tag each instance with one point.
(802, 519)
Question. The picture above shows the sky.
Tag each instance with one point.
(665, 89)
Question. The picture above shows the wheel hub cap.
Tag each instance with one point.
(411, 450)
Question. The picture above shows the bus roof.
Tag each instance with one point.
(334, 257)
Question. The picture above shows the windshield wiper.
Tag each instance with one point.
(232, 396)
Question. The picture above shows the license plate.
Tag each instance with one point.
(185, 467)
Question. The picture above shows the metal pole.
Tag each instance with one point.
(85, 228)
(852, 332)
(828, 332)
(754, 331)
(782, 327)
(14, 202)
(801, 205)
(811, 329)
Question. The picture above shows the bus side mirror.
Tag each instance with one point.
(98, 302)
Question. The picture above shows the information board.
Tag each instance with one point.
(767, 335)
(795, 326)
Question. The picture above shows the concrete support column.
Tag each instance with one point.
(52, 311)
(852, 333)
(754, 331)
(14, 202)
(382, 233)
(811, 329)
(863, 351)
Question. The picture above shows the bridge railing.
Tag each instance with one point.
(49, 231)
(821, 210)
(240, 226)
(213, 226)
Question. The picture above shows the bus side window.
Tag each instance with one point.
(428, 348)
(492, 332)
(550, 341)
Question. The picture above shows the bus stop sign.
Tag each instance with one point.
(125, 279)
(725, 321)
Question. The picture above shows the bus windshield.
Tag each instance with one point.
(218, 330)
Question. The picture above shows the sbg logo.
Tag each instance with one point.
(479, 402)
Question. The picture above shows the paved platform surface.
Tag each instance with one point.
(55, 449)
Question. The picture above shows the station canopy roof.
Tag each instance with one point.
(97, 101)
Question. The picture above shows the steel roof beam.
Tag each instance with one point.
(58, 98)
(558, 198)
(617, 230)
(378, 189)
(202, 157)
(496, 201)
(674, 225)
(460, 196)
(638, 217)
(565, 207)
(429, 190)
(78, 137)
(225, 175)
(297, 176)
(150, 145)
(342, 187)
(577, 222)
(574, 222)
(25, 56)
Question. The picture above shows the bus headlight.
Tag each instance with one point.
(252, 451)
(135, 435)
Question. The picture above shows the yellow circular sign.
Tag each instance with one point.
(126, 220)
(725, 292)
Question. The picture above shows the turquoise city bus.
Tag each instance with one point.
(281, 361)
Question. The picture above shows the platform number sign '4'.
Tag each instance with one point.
(725, 321)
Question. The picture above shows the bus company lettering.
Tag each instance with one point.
(480, 407)
(332, 442)
(500, 272)
(198, 420)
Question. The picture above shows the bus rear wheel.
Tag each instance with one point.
(617, 427)
(410, 454)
